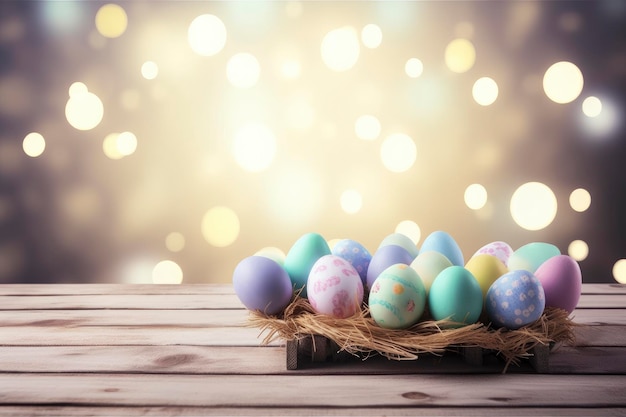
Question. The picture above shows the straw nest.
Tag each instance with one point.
(362, 337)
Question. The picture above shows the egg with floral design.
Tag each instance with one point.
(516, 299)
(334, 287)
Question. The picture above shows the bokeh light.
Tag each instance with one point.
(367, 127)
(578, 249)
(111, 20)
(563, 82)
(371, 36)
(207, 35)
(126, 143)
(533, 206)
(619, 271)
(84, 110)
(485, 91)
(475, 196)
(580, 199)
(110, 148)
(340, 48)
(606, 121)
(34, 144)
(243, 70)
(460, 55)
(351, 201)
(413, 67)
(254, 147)
(167, 272)
(592, 106)
(149, 70)
(175, 242)
(220, 226)
(410, 229)
(398, 152)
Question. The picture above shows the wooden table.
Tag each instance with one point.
(69, 350)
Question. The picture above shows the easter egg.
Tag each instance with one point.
(530, 256)
(428, 265)
(516, 299)
(397, 298)
(276, 254)
(401, 240)
(455, 295)
(383, 258)
(262, 284)
(486, 269)
(356, 254)
(500, 250)
(334, 287)
(443, 243)
(561, 279)
(301, 257)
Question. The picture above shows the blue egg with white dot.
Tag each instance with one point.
(355, 253)
(515, 300)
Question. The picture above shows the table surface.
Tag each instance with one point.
(153, 350)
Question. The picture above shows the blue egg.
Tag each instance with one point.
(356, 254)
(443, 243)
(383, 258)
(514, 300)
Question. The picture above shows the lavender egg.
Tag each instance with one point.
(262, 284)
(562, 280)
(383, 258)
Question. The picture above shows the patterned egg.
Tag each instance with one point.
(455, 295)
(356, 254)
(486, 269)
(443, 243)
(301, 257)
(397, 298)
(428, 265)
(383, 258)
(262, 284)
(516, 299)
(334, 287)
(530, 256)
(562, 280)
(500, 250)
(401, 240)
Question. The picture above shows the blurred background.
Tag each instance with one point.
(166, 141)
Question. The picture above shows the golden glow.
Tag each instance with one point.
(533, 206)
(580, 199)
(294, 194)
(290, 69)
(340, 49)
(414, 67)
(109, 146)
(111, 20)
(563, 82)
(592, 106)
(207, 35)
(351, 201)
(34, 144)
(84, 110)
(254, 147)
(300, 114)
(167, 272)
(175, 242)
(475, 196)
(220, 226)
(485, 91)
(272, 252)
(578, 249)
(398, 152)
(367, 127)
(149, 70)
(619, 271)
(243, 70)
(460, 55)
(126, 143)
(371, 36)
(410, 229)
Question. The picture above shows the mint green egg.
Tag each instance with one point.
(428, 265)
(455, 295)
(301, 257)
(530, 256)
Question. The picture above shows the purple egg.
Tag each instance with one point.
(383, 258)
(562, 280)
(262, 284)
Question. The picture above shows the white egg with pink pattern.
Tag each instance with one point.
(334, 287)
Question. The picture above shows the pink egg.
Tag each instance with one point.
(561, 279)
(500, 250)
(335, 287)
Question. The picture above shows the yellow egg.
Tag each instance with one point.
(486, 269)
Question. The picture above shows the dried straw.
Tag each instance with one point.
(361, 336)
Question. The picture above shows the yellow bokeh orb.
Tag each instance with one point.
(167, 272)
(111, 20)
(460, 55)
(220, 226)
(619, 271)
(533, 206)
(34, 144)
(563, 82)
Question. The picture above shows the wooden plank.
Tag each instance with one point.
(322, 391)
(114, 289)
(588, 360)
(122, 301)
(600, 336)
(590, 316)
(602, 301)
(612, 288)
(107, 411)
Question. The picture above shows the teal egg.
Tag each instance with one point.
(455, 295)
(445, 244)
(301, 257)
(530, 256)
(401, 240)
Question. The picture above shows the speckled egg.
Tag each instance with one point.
(445, 244)
(500, 250)
(397, 298)
(383, 258)
(334, 287)
(516, 299)
(562, 280)
(262, 284)
(355, 253)
(455, 295)
(428, 265)
(530, 256)
(301, 257)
